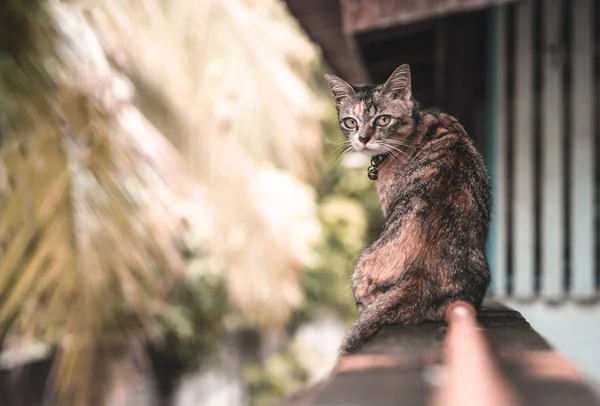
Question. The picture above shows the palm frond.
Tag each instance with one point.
(88, 203)
(231, 58)
(234, 100)
(91, 195)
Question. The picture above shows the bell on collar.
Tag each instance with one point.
(377, 159)
(373, 172)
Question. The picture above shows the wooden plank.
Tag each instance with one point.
(326, 30)
(582, 152)
(500, 266)
(399, 366)
(523, 205)
(362, 16)
(552, 217)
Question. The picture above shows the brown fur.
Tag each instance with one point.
(435, 194)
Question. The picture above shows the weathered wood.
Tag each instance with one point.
(552, 219)
(360, 16)
(322, 21)
(398, 367)
(582, 152)
(523, 237)
(381, 387)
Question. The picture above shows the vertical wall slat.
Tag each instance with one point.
(523, 237)
(582, 151)
(552, 242)
(499, 137)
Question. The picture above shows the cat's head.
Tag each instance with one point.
(375, 119)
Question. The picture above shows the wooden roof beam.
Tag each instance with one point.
(360, 16)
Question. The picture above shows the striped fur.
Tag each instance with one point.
(435, 194)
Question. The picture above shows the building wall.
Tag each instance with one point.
(544, 92)
(544, 103)
(571, 329)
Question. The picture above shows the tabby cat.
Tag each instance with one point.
(434, 190)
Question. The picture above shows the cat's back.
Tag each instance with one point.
(441, 132)
(445, 153)
(446, 176)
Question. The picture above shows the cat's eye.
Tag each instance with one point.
(349, 123)
(382, 121)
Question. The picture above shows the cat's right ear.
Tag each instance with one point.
(339, 88)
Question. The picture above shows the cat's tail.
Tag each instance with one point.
(369, 322)
(401, 304)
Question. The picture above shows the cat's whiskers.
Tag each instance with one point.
(382, 147)
(389, 150)
(400, 143)
(336, 143)
(341, 147)
(344, 151)
(340, 144)
(399, 152)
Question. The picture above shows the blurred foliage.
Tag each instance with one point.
(150, 201)
(191, 325)
(94, 202)
(89, 195)
(237, 100)
(350, 215)
(271, 379)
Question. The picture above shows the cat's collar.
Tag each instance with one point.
(373, 171)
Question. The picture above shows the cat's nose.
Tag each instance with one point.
(364, 139)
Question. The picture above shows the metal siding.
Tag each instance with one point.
(582, 152)
(497, 156)
(523, 213)
(552, 199)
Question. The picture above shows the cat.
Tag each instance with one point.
(435, 194)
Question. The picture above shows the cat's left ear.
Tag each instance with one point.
(398, 84)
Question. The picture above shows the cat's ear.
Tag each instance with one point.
(398, 84)
(339, 88)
